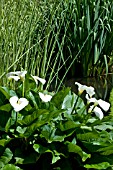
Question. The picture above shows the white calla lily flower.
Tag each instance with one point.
(36, 78)
(104, 105)
(18, 104)
(90, 90)
(81, 87)
(91, 100)
(45, 97)
(98, 112)
(16, 78)
(17, 75)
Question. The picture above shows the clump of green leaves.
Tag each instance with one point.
(57, 133)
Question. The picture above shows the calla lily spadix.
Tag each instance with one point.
(45, 97)
(18, 103)
(16, 75)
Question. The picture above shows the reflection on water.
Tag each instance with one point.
(102, 85)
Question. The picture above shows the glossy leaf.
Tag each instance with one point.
(103, 165)
(41, 149)
(4, 142)
(58, 98)
(5, 91)
(11, 167)
(69, 125)
(11, 121)
(73, 103)
(6, 107)
(6, 157)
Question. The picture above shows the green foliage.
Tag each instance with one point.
(11, 167)
(6, 157)
(111, 101)
(60, 133)
(103, 165)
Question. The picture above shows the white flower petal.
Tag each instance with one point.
(81, 87)
(16, 75)
(91, 100)
(13, 101)
(18, 104)
(16, 78)
(43, 81)
(98, 112)
(104, 105)
(21, 74)
(90, 109)
(45, 97)
(90, 90)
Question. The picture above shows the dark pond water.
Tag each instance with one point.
(102, 85)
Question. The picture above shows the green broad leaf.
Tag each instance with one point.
(85, 156)
(12, 93)
(56, 156)
(58, 98)
(77, 149)
(73, 103)
(5, 91)
(6, 157)
(103, 165)
(39, 118)
(4, 142)
(41, 149)
(31, 97)
(39, 113)
(86, 128)
(21, 130)
(69, 125)
(11, 167)
(111, 101)
(19, 160)
(74, 148)
(50, 137)
(4, 117)
(103, 127)
(108, 150)
(6, 107)
(11, 121)
(29, 83)
(88, 136)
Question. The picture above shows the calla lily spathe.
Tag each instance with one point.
(18, 103)
(103, 104)
(89, 90)
(98, 112)
(45, 97)
(16, 75)
(36, 78)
